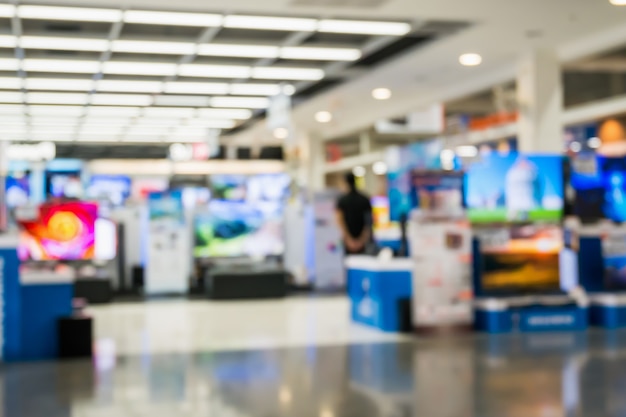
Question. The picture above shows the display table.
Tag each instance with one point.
(608, 310)
(245, 282)
(530, 314)
(377, 290)
(46, 296)
(94, 290)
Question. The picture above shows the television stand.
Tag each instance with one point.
(608, 310)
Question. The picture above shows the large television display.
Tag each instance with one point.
(64, 184)
(237, 229)
(63, 231)
(17, 190)
(600, 185)
(515, 188)
(521, 260)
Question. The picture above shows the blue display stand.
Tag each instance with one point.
(529, 315)
(11, 305)
(608, 310)
(375, 288)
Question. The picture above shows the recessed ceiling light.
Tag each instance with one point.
(255, 89)
(130, 86)
(215, 71)
(11, 97)
(121, 99)
(323, 116)
(183, 101)
(7, 10)
(596, 142)
(10, 83)
(8, 41)
(381, 93)
(56, 98)
(139, 68)
(379, 168)
(618, 2)
(470, 59)
(237, 114)
(281, 133)
(359, 171)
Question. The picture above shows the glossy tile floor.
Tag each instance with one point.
(542, 375)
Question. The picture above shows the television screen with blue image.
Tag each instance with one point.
(600, 185)
(17, 188)
(515, 188)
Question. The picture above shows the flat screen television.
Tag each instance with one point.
(229, 187)
(114, 189)
(515, 188)
(600, 186)
(437, 191)
(63, 231)
(614, 257)
(268, 187)
(17, 190)
(64, 184)
(238, 229)
(522, 260)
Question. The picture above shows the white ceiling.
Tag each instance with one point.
(429, 74)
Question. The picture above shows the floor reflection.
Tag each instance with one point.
(541, 375)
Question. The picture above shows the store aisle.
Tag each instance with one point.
(534, 375)
(181, 326)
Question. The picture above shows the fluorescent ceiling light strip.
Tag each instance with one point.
(320, 54)
(270, 23)
(61, 66)
(139, 68)
(217, 124)
(9, 64)
(174, 19)
(184, 139)
(121, 99)
(141, 138)
(244, 51)
(196, 88)
(255, 89)
(64, 44)
(8, 41)
(10, 83)
(56, 110)
(57, 121)
(169, 112)
(130, 86)
(7, 10)
(58, 84)
(69, 13)
(215, 71)
(56, 98)
(153, 47)
(240, 102)
(364, 27)
(282, 73)
(11, 97)
(97, 138)
(184, 101)
(237, 114)
(100, 131)
(11, 109)
(113, 112)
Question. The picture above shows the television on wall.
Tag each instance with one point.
(238, 229)
(515, 188)
(437, 191)
(521, 260)
(62, 231)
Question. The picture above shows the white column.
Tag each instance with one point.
(540, 99)
(316, 159)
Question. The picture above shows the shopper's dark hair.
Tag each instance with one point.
(351, 180)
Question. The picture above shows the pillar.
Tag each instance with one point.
(314, 163)
(540, 100)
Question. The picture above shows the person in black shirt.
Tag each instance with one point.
(354, 216)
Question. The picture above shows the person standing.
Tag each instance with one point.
(354, 217)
